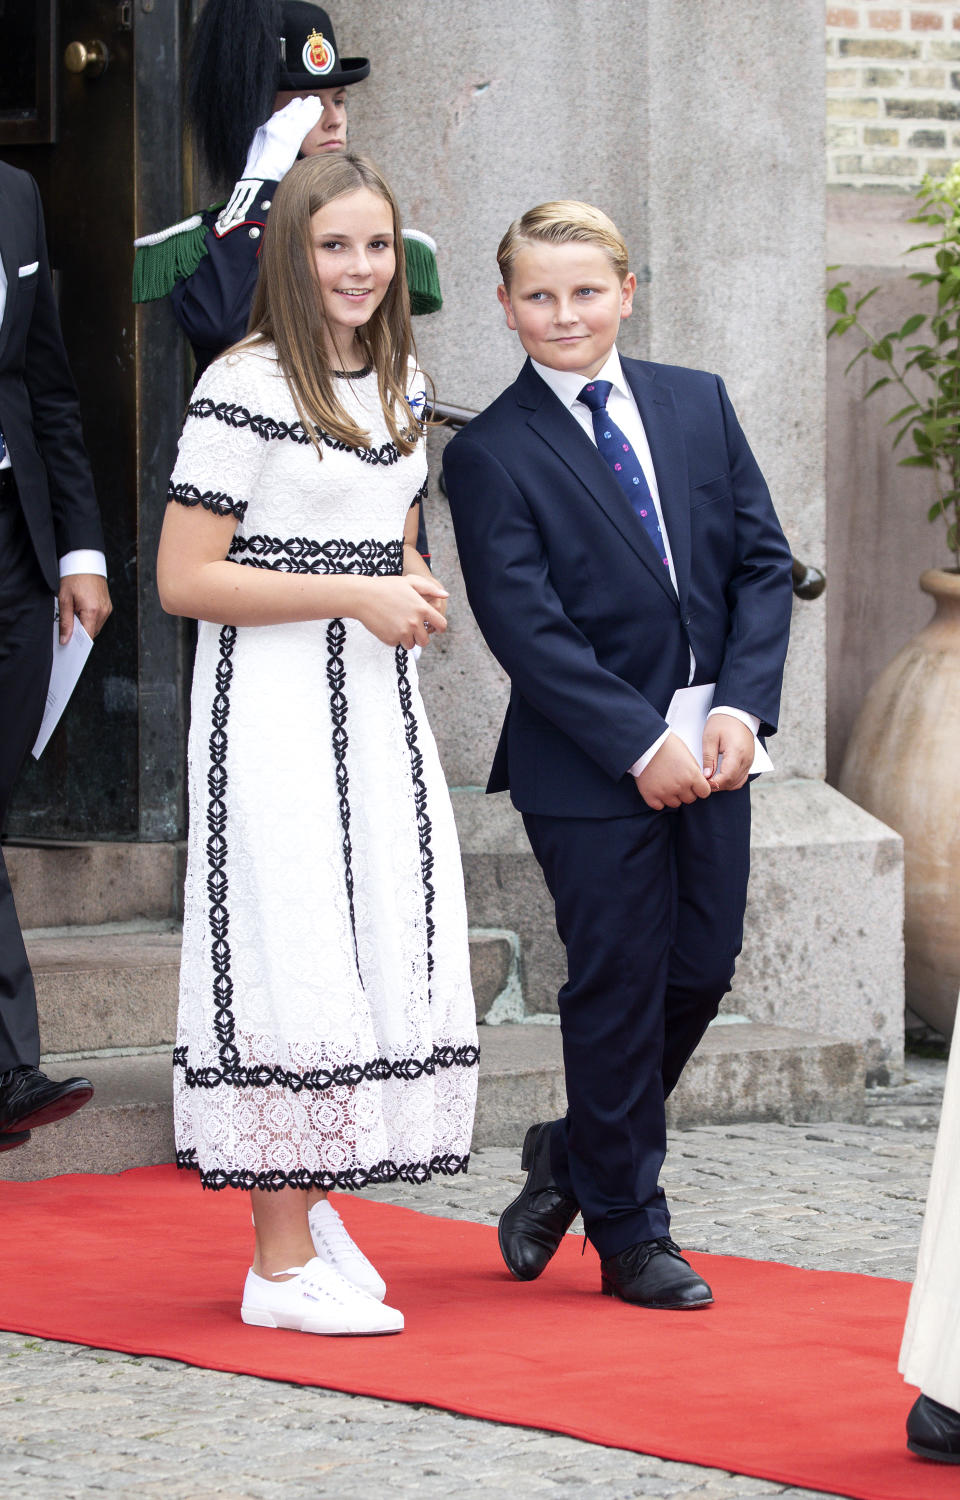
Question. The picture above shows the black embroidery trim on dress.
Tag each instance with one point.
(270, 429)
(336, 676)
(301, 554)
(216, 500)
(318, 1080)
(416, 1173)
(424, 826)
(420, 496)
(217, 854)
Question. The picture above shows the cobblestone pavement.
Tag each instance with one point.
(82, 1422)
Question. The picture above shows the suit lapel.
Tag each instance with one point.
(661, 422)
(11, 265)
(552, 422)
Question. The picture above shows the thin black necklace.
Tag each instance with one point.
(352, 374)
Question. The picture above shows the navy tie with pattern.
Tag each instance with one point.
(621, 458)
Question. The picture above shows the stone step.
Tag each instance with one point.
(740, 1072)
(100, 989)
(84, 884)
(116, 987)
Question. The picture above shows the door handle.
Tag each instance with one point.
(86, 57)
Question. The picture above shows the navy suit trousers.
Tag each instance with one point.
(650, 911)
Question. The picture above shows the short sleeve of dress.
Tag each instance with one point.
(221, 451)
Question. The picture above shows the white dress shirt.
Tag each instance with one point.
(622, 406)
(85, 559)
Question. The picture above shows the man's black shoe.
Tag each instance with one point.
(29, 1098)
(13, 1138)
(654, 1274)
(533, 1225)
(933, 1431)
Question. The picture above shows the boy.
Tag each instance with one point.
(618, 543)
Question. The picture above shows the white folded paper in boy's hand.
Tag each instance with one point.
(687, 717)
(69, 661)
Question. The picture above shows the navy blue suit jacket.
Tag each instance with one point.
(577, 606)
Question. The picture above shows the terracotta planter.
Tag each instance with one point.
(903, 765)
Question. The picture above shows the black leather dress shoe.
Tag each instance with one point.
(533, 1225)
(933, 1431)
(29, 1098)
(654, 1274)
(13, 1138)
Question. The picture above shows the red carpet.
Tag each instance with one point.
(791, 1376)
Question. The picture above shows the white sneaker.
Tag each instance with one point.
(317, 1299)
(334, 1246)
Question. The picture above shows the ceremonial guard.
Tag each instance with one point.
(267, 85)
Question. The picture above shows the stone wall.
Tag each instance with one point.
(893, 92)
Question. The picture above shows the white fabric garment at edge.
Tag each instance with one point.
(622, 406)
(83, 560)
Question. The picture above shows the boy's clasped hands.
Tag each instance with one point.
(673, 776)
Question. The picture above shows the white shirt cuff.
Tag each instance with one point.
(84, 560)
(751, 720)
(640, 765)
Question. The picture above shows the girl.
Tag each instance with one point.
(326, 1033)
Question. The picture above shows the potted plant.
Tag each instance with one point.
(900, 759)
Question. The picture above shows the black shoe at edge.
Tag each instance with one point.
(29, 1098)
(654, 1274)
(933, 1431)
(532, 1226)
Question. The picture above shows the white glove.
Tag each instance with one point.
(274, 148)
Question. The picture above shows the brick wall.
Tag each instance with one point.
(893, 92)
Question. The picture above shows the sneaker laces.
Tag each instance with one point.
(335, 1235)
(325, 1282)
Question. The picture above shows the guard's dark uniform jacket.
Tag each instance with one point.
(208, 265)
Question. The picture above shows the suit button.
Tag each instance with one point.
(254, 234)
(265, 204)
(686, 619)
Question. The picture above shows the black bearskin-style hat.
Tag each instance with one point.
(309, 58)
(242, 54)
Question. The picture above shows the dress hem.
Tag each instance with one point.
(353, 1179)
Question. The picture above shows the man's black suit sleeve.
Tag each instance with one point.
(56, 415)
(759, 591)
(550, 661)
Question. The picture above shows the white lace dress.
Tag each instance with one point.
(326, 1033)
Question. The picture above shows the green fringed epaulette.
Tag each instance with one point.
(423, 279)
(164, 258)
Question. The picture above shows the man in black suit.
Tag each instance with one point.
(51, 543)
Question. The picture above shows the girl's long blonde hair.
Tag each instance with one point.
(287, 309)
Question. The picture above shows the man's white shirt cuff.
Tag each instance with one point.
(83, 560)
(641, 765)
(751, 721)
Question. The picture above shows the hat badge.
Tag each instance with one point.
(318, 54)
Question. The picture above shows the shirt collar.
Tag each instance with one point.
(567, 387)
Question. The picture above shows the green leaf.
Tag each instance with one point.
(912, 324)
(877, 384)
(866, 298)
(899, 415)
(859, 355)
(902, 433)
(837, 297)
(952, 536)
(935, 512)
(842, 324)
(883, 349)
(917, 461)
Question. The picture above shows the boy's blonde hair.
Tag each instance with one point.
(564, 222)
